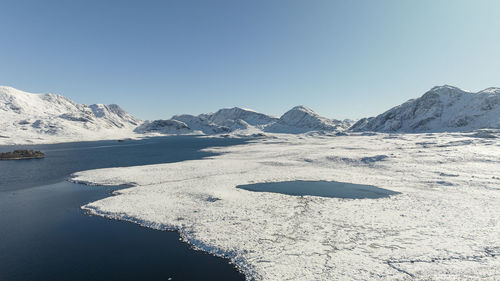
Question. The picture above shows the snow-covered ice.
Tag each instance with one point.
(445, 224)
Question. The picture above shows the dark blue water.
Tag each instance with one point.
(321, 188)
(66, 158)
(44, 235)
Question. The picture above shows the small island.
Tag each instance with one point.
(22, 154)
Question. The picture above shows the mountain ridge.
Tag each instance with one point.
(34, 118)
(29, 117)
(441, 109)
(299, 119)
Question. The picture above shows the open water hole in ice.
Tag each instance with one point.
(44, 235)
(321, 188)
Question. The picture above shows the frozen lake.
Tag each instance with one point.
(330, 189)
(46, 236)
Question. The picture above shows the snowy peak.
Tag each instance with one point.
(25, 116)
(223, 121)
(13, 100)
(303, 119)
(163, 127)
(44, 105)
(301, 108)
(201, 124)
(114, 115)
(296, 116)
(442, 108)
(446, 89)
(249, 116)
(299, 119)
(490, 91)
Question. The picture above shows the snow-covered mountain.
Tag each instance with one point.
(163, 127)
(37, 118)
(299, 119)
(223, 121)
(250, 117)
(441, 109)
(27, 117)
(181, 124)
(202, 124)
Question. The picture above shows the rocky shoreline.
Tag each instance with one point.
(22, 154)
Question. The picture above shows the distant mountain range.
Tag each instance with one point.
(27, 117)
(299, 119)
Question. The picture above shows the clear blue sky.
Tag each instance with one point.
(344, 59)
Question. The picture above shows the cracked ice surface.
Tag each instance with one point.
(445, 224)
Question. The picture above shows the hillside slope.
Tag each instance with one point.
(441, 109)
(36, 118)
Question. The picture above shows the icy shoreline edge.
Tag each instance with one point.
(194, 245)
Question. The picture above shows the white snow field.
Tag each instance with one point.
(445, 224)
